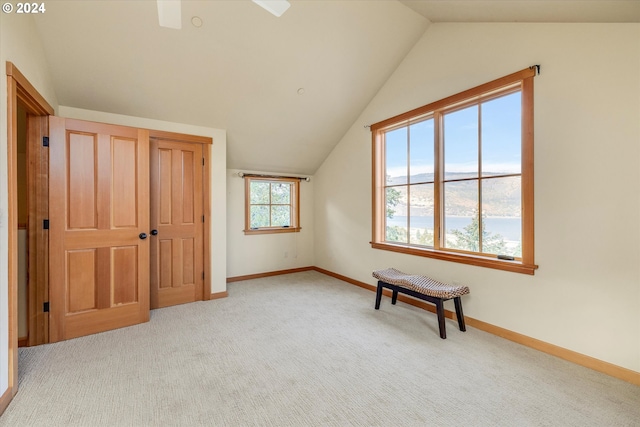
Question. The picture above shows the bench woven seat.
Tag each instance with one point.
(424, 288)
(422, 284)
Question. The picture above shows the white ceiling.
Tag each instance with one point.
(242, 69)
(527, 10)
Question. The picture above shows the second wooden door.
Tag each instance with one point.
(177, 222)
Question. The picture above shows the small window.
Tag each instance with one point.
(453, 180)
(271, 205)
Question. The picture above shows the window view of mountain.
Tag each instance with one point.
(410, 211)
(502, 201)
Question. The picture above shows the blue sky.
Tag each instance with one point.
(501, 150)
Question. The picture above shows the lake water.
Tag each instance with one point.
(509, 228)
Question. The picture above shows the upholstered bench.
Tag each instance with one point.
(424, 288)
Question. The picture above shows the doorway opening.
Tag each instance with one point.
(21, 95)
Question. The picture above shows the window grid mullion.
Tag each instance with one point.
(408, 184)
(479, 213)
(270, 206)
(438, 191)
(509, 175)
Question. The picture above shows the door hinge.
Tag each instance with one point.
(45, 307)
(203, 275)
(45, 224)
(45, 141)
(202, 218)
(203, 161)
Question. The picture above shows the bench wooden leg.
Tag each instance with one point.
(440, 312)
(458, 303)
(378, 295)
(439, 303)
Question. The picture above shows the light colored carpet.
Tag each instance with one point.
(307, 350)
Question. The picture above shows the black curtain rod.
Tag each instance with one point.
(301, 178)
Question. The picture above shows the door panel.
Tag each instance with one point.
(176, 212)
(124, 173)
(166, 268)
(188, 260)
(99, 205)
(81, 269)
(82, 181)
(187, 186)
(125, 283)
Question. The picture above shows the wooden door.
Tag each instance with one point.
(177, 266)
(98, 208)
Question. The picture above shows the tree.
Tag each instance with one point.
(425, 238)
(517, 251)
(393, 198)
(469, 238)
(396, 234)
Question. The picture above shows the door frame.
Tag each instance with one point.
(19, 90)
(206, 196)
(38, 236)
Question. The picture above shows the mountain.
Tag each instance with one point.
(500, 196)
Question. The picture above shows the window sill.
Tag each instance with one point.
(273, 230)
(479, 261)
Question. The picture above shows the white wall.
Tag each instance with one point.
(218, 156)
(20, 44)
(261, 253)
(586, 294)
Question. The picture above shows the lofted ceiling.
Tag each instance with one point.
(527, 10)
(286, 89)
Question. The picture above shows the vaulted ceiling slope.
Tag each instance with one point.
(243, 68)
(240, 71)
(527, 10)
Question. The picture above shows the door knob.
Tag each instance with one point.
(142, 236)
(154, 232)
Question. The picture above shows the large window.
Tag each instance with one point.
(271, 205)
(454, 179)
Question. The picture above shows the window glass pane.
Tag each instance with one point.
(421, 211)
(421, 152)
(397, 221)
(461, 143)
(259, 192)
(502, 135)
(259, 216)
(280, 216)
(501, 211)
(280, 193)
(396, 156)
(461, 221)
